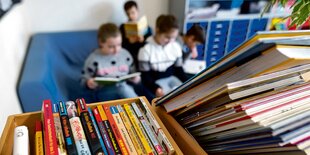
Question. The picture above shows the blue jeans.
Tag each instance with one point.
(117, 91)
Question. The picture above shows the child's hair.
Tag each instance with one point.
(197, 32)
(165, 23)
(108, 30)
(129, 4)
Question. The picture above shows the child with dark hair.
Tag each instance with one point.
(133, 43)
(109, 60)
(193, 37)
(160, 60)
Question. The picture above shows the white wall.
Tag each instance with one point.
(32, 16)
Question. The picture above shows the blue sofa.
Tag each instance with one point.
(52, 68)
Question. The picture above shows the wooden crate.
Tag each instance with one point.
(28, 119)
(183, 139)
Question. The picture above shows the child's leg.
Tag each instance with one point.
(107, 93)
(125, 91)
(169, 83)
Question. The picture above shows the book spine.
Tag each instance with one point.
(88, 127)
(99, 134)
(162, 138)
(59, 133)
(39, 139)
(116, 132)
(77, 129)
(66, 128)
(137, 126)
(109, 140)
(21, 141)
(148, 130)
(121, 127)
(50, 141)
(131, 131)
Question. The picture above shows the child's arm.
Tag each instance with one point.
(89, 72)
(145, 69)
(178, 70)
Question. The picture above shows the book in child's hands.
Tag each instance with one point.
(113, 80)
(138, 28)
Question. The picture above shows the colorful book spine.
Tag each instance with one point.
(89, 129)
(115, 130)
(148, 130)
(39, 139)
(108, 129)
(123, 131)
(77, 129)
(59, 133)
(139, 129)
(21, 141)
(107, 146)
(66, 128)
(131, 131)
(50, 141)
(161, 136)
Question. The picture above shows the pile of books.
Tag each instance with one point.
(255, 100)
(73, 128)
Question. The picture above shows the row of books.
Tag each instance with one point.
(255, 100)
(74, 128)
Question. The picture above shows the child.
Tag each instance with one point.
(194, 36)
(160, 60)
(133, 44)
(109, 60)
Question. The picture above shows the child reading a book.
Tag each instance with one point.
(193, 37)
(109, 60)
(133, 43)
(160, 60)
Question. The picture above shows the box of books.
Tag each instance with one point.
(127, 126)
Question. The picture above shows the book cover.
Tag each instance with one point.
(131, 131)
(98, 132)
(59, 134)
(139, 129)
(89, 129)
(50, 141)
(123, 131)
(138, 28)
(107, 134)
(38, 139)
(66, 128)
(162, 138)
(148, 130)
(77, 129)
(115, 130)
(113, 80)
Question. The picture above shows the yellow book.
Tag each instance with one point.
(138, 28)
(131, 131)
(39, 139)
(135, 122)
(123, 131)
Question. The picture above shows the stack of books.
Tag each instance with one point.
(255, 100)
(73, 128)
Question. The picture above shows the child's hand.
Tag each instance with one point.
(140, 39)
(159, 92)
(135, 79)
(92, 84)
(194, 52)
(133, 39)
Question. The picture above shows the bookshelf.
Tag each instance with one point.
(28, 119)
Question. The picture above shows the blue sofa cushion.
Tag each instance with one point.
(52, 68)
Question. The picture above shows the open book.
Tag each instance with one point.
(138, 28)
(113, 80)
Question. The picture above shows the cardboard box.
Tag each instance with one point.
(28, 119)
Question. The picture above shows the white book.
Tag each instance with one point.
(113, 80)
(21, 141)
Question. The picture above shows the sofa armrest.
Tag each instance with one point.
(35, 83)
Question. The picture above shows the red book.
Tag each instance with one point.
(116, 132)
(50, 142)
